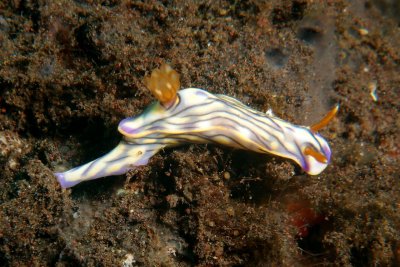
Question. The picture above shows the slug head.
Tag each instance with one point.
(315, 149)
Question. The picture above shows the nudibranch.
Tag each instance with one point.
(196, 116)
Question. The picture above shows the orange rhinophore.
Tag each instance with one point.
(164, 84)
(316, 155)
(315, 128)
(325, 120)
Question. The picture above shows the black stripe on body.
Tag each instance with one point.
(234, 121)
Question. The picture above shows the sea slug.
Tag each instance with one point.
(196, 116)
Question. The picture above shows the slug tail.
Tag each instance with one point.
(120, 160)
(64, 182)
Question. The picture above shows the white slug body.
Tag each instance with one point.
(198, 116)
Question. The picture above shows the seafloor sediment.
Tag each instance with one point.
(71, 70)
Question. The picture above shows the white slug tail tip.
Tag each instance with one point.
(61, 178)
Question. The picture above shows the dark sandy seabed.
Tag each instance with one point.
(71, 70)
